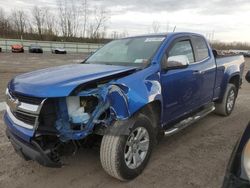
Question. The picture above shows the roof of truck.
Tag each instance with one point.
(164, 34)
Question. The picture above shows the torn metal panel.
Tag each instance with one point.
(119, 99)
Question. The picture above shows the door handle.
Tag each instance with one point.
(198, 72)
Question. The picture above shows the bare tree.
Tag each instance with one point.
(51, 26)
(155, 26)
(117, 35)
(62, 6)
(19, 19)
(69, 14)
(39, 19)
(4, 23)
(124, 34)
(86, 13)
(2, 16)
(100, 17)
(114, 35)
(75, 16)
(30, 28)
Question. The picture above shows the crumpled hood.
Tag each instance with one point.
(61, 81)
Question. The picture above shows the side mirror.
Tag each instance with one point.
(248, 76)
(179, 61)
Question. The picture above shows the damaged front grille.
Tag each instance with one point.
(26, 118)
(23, 110)
(47, 117)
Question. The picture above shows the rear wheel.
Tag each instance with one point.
(125, 157)
(226, 107)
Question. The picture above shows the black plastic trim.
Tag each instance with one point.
(31, 151)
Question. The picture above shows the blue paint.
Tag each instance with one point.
(23, 133)
(61, 81)
(178, 91)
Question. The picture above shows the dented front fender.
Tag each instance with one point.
(118, 102)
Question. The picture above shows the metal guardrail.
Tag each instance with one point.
(47, 46)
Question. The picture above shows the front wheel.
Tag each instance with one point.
(226, 107)
(125, 157)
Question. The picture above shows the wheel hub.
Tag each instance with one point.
(230, 101)
(136, 147)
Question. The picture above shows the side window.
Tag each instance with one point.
(182, 48)
(200, 46)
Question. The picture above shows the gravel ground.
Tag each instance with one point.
(195, 157)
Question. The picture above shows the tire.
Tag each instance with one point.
(226, 107)
(114, 148)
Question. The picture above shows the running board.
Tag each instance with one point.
(190, 120)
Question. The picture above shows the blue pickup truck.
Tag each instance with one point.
(127, 95)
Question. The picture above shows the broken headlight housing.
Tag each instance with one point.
(80, 108)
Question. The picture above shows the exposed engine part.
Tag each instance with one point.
(75, 114)
(89, 103)
(80, 109)
(76, 111)
(66, 124)
(76, 117)
(79, 116)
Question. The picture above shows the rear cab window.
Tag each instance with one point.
(200, 48)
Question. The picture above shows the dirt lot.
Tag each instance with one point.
(195, 157)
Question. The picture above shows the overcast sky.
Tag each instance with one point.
(229, 20)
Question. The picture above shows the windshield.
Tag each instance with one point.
(129, 51)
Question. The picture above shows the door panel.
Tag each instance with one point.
(181, 87)
(208, 67)
(185, 90)
(208, 78)
(181, 92)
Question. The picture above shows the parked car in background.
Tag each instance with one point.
(128, 94)
(34, 48)
(59, 51)
(246, 54)
(17, 48)
(238, 170)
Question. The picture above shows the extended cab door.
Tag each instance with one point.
(206, 64)
(181, 86)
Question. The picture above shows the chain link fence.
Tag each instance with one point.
(47, 46)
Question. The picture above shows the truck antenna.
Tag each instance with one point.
(174, 28)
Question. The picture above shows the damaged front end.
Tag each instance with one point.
(66, 123)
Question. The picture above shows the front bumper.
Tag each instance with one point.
(30, 151)
(13, 126)
(21, 119)
(25, 146)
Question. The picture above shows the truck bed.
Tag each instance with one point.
(227, 67)
(225, 59)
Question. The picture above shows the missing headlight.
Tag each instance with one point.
(80, 109)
